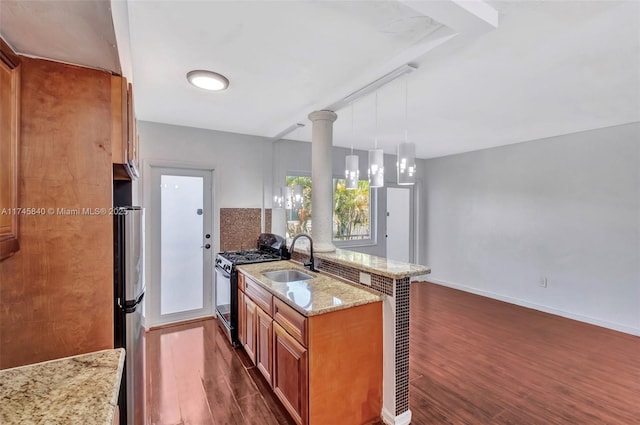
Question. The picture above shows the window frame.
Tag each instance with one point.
(373, 215)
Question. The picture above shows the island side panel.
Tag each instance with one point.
(345, 365)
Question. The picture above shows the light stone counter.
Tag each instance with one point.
(81, 389)
(371, 263)
(319, 295)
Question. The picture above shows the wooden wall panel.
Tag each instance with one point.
(56, 293)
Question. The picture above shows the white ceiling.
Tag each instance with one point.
(547, 68)
(77, 32)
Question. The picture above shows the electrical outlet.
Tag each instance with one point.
(365, 278)
(543, 282)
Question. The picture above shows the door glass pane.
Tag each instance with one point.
(181, 255)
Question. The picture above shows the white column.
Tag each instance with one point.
(322, 179)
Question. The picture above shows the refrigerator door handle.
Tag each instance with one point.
(130, 305)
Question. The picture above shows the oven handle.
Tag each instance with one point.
(224, 273)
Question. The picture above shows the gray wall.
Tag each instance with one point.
(247, 166)
(240, 161)
(567, 208)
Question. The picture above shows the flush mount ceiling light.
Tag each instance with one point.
(208, 80)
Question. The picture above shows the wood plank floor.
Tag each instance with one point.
(476, 360)
(195, 377)
(473, 361)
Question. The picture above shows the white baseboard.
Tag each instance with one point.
(389, 419)
(602, 323)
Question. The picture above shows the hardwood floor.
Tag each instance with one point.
(195, 377)
(476, 360)
(473, 361)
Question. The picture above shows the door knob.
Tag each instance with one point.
(207, 246)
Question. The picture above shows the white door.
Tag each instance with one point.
(181, 245)
(399, 238)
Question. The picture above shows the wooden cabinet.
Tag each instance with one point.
(290, 373)
(264, 341)
(249, 330)
(9, 140)
(124, 134)
(325, 368)
(242, 329)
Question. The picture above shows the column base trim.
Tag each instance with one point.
(389, 419)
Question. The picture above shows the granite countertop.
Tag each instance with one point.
(371, 263)
(81, 389)
(319, 295)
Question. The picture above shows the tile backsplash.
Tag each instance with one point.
(240, 227)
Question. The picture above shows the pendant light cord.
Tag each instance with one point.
(376, 135)
(406, 109)
(352, 131)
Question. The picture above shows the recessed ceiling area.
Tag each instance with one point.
(490, 73)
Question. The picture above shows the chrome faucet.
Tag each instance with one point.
(310, 264)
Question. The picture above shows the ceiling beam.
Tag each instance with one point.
(469, 18)
(463, 16)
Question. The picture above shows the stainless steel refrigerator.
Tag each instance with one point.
(128, 293)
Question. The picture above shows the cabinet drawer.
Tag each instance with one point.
(294, 322)
(259, 295)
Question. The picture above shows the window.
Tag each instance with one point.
(351, 209)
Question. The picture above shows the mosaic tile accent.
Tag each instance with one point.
(239, 228)
(267, 220)
(402, 345)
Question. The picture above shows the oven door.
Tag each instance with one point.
(223, 296)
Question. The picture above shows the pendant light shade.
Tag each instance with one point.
(352, 171)
(278, 198)
(297, 196)
(376, 159)
(376, 168)
(287, 194)
(406, 164)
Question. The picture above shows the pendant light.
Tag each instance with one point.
(376, 159)
(278, 198)
(406, 162)
(288, 197)
(351, 164)
(298, 195)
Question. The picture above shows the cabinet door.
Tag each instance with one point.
(119, 119)
(131, 151)
(9, 136)
(242, 328)
(249, 344)
(264, 341)
(290, 373)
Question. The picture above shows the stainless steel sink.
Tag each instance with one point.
(287, 275)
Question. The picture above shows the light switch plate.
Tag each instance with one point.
(365, 278)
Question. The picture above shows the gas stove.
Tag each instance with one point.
(270, 247)
(226, 260)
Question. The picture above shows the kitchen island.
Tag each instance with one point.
(392, 278)
(317, 341)
(82, 389)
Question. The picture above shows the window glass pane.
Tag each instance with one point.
(181, 266)
(351, 209)
(298, 205)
